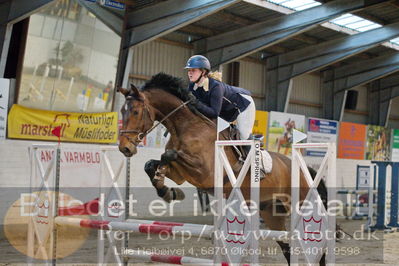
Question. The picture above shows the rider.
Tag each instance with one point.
(214, 98)
(288, 129)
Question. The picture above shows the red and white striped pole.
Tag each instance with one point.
(199, 231)
(158, 227)
(171, 259)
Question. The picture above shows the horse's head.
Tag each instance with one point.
(137, 118)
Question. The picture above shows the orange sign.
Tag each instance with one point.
(352, 141)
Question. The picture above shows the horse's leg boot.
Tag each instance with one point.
(166, 193)
(151, 168)
(168, 156)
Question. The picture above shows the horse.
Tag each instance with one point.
(189, 153)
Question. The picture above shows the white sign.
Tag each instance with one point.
(363, 177)
(222, 124)
(78, 167)
(299, 136)
(4, 91)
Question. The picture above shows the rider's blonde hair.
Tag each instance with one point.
(215, 75)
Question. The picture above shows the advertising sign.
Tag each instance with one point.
(260, 125)
(113, 4)
(321, 131)
(378, 143)
(281, 126)
(27, 123)
(395, 145)
(352, 141)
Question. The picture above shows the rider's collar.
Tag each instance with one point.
(204, 84)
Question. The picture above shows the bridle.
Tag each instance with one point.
(141, 133)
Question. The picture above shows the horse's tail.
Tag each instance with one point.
(321, 188)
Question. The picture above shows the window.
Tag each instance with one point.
(348, 20)
(70, 60)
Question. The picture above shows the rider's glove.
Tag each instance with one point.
(193, 99)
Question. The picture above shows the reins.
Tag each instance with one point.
(141, 135)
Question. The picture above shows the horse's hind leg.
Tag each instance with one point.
(323, 260)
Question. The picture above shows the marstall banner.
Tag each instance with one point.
(395, 145)
(27, 123)
(378, 143)
(260, 125)
(281, 126)
(321, 131)
(351, 141)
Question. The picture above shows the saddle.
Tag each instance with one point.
(242, 151)
(234, 134)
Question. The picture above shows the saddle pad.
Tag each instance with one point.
(266, 160)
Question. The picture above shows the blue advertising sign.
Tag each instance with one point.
(320, 131)
(113, 4)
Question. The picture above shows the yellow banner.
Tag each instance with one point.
(260, 126)
(27, 123)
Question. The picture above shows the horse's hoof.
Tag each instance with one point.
(173, 194)
(168, 197)
(179, 194)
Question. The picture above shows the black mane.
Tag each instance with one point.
(168, 83)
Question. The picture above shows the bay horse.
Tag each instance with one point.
(189, 154)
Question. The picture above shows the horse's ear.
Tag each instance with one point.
(135, 91)
(124, 91)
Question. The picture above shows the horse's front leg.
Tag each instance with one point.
(157, 170)
(151, 168)
(179, 166)
(186, 164)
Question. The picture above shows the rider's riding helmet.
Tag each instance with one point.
(198, 61)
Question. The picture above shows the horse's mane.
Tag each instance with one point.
(168, 83)
(174, 86)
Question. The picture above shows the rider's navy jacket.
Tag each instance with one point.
(221, 100)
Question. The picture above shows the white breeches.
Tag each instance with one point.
(246, 119)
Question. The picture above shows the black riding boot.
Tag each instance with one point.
(246, 148)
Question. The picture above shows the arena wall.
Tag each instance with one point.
(306, 96)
